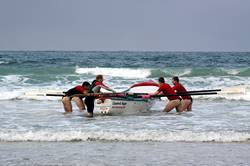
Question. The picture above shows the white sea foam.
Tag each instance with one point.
(10, 86)
(2, 62)
(15, 86)
(29, 93)
(9, 95)
(233, 71)
(185, 72)
(13, 79)
(183, 136)
(115, 72)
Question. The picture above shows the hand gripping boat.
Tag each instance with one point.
(129, 104)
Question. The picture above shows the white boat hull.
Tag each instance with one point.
(122, 106)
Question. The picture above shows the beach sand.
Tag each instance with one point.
(123, 153)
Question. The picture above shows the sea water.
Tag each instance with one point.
(38, 122)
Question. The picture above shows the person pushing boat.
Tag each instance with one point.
(174, 101)
(80, 89)
(97, 84)
(186, 102)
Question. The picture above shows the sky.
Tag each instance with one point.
(132, 25)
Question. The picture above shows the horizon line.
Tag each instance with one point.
(61, 50)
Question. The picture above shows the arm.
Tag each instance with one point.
(158, 92)
(151, 94)
(101, 85)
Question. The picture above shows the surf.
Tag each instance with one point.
(139, 136)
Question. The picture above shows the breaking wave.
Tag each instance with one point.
(116, 72)
(141, 136)
(165, 72)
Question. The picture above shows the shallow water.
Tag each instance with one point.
(124, 153)
(219, 121)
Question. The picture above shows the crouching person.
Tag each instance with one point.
(77, 94)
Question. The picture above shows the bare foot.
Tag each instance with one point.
(67, 113)
(89, 115)
(82, 110)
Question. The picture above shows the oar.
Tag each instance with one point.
(49, 94)
(230, 90)
(125, 94)
(182, 94)
(101, 95)
(186, 93)
(241, 89)
(90, 94)
(201, 91)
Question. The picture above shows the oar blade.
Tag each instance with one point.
(241, 89)
(43, 92)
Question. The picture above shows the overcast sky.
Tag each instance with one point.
(136, 25)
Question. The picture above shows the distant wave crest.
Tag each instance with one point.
(163, 72)
(116, 72)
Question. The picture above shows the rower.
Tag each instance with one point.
(186, 102)
(96, 86)
(80, 89)
(174, 101)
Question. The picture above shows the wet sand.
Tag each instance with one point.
(123, 153)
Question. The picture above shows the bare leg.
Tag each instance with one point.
(179, 107)
(67, 104)
(79, 103)
(189, 108)
(185, 104)
(171, 105)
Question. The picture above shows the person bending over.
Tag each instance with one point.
(186, 102)
(174, 101)
(97, 84)
(78, 90)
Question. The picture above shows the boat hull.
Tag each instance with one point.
(118, 106)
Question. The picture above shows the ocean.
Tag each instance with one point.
(34, 130)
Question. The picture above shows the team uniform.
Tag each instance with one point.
(89, 100)
(96, 88)
(174, 101)
(166, 89)
(186, 99)
(97, 85)
(180, 89)
(76, 90)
